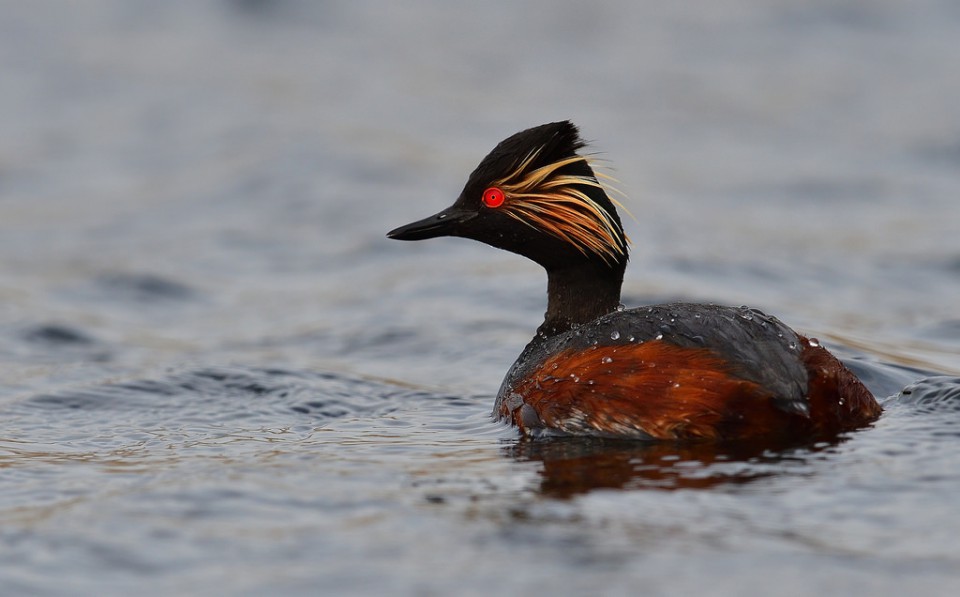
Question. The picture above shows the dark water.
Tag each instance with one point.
(217, 376)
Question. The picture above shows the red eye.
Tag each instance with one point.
(493, 197)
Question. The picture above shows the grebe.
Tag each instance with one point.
(666, 372)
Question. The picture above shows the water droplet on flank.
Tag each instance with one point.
(659, 336)
(620, 307)
(575, 378)
(631, 338)
(676, 385)
(815, 343)
(792, 345)
(614, 335)
(607, 359)
(441, 216)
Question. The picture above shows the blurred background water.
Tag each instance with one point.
(218, 376)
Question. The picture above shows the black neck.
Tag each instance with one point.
(579, 294)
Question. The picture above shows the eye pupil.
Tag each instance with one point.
(493, 197)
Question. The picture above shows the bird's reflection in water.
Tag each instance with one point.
(573, 466)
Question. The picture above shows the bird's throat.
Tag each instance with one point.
(579, 295)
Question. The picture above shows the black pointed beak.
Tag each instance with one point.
(444, 223)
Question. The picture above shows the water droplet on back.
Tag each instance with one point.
(614, 335)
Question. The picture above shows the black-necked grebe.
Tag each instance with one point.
(675, 371)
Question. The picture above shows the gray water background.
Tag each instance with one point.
(218, 377)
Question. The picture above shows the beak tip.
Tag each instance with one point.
(401, 233)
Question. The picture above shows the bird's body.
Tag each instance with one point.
(678, 371)
(681, 371)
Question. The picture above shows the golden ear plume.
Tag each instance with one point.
(558, 205)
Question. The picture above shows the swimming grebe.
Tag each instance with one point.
(666, 372)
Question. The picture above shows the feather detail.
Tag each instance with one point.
(556, 203)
